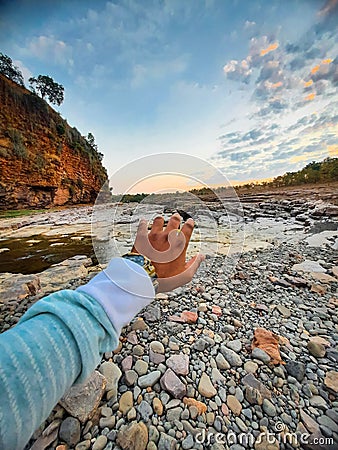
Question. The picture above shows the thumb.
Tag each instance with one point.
(193, 264)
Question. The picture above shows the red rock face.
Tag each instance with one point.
(43, 161)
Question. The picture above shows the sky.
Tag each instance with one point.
(249, 86)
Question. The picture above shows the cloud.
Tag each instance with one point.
(24, 70)
(50, 49)
(310, 96)
(238, 70)
(273, 148)
(332, 150)
(269, 49)
(308, 83)
(315, 69)
(329, 8)
(249, 24)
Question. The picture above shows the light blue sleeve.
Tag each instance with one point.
(59, 341)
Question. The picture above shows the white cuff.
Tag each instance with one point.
(122, 289)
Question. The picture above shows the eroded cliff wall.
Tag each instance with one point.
(43, 161)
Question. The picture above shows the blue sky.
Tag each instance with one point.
(250, 86)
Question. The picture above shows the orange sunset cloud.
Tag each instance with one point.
(332, 150)
(277, 85)
(308, 83)
(310, 96)
(315, 68)
(269, 49)
(327, 61)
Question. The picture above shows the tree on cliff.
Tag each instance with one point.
(91, 141)
(10, 71)
(47, 87)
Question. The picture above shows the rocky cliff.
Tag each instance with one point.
(43, 161)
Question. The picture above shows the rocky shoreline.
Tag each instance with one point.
(185, 375)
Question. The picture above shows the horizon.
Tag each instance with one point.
(253, 92)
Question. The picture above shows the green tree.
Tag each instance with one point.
(10, 71)
(91, 140)
(47, 87)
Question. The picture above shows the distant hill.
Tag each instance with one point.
(43, 161)
(325, 171)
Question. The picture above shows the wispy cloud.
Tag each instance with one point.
(51, 49)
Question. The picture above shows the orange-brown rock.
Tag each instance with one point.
(201, 407)
(44, 162)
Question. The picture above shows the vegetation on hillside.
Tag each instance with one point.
(47, 87)
(54, 92)
(43, 84)
(325, 171)
(10, 71)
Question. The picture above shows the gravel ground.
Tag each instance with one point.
(185, 375)
(173, 385)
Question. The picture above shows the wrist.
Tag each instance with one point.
(146, 264)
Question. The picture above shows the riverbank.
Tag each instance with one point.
(193, 381)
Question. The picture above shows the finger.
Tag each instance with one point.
(142, 228)
(142, 231)
(157, 225)
(173, 223)
(194, 263)
(187, 230)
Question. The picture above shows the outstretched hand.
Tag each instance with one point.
(167, 248)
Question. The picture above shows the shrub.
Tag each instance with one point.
(60, 129)
(19, 149)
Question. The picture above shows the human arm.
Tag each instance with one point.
(61, 338)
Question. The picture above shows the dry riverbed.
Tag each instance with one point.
(178, 378)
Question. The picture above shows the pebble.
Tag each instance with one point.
(250, 367)
(171, 383)
(150, 379)
(232, 357)
(284, 311)
(261, 355)
(234, 405)
(318, 402)
(179, 364)
(70, 431)
(112, 374)
(130, 377)
(157, 347)
(221, 362)
(126, 402)
(141, 367)
(200, 345)
(145, 410)
(296, 369)
(205, 387)
(100, 443)
(157, 406)
(133, 436)
(167, 442)
(235, 345)
(317, 350)
(269, 408)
